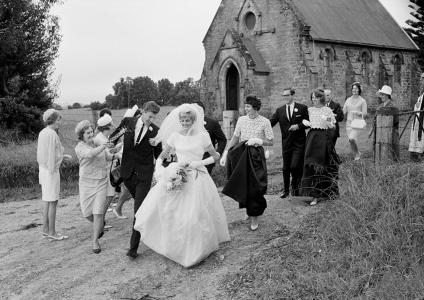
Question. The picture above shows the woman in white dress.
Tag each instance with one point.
(49, 157)
(416, 140)
(355, 107)
(185, 224)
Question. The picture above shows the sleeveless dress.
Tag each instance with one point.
(185, 225)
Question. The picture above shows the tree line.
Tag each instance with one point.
(128, 92)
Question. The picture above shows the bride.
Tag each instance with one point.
(183, 220)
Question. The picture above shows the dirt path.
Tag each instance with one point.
(32, 267)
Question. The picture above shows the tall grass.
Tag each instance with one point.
(367, 244)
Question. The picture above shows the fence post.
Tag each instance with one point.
(385, 144)
(95, 114)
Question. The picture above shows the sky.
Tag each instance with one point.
(104, 40)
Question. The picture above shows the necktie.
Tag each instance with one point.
(139, 135)
(289, 113)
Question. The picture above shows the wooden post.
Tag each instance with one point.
(385, 143)
(95, 115)
(229, 121)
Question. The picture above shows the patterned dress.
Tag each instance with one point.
(320, 172)
(246, 166)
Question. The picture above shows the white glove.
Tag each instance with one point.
(159, 169)
(198, 163)
(223, 159)
(254, 142)
(306, 123)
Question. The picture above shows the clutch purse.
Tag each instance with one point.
(358, 124)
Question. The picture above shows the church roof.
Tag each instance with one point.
(363, 22)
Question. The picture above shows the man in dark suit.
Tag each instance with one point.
(219, 141)
(290, 117)
(138, 160)
(337, 111)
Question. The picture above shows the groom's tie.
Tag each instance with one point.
(139, 135)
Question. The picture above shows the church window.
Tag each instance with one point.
(366, 60)
(250, 20)
(328, 57)
(383, 76)
(397, 64)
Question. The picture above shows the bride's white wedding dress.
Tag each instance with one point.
(184, 225)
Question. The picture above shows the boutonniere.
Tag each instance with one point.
(204, 122)
(296, 110)
(150, 128)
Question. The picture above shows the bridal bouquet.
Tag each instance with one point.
(177, 176)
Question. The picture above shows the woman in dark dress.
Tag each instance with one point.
(246, 163)
(320, 171)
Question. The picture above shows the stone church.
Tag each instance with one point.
(263, 46)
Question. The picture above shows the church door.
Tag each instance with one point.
(232, 88)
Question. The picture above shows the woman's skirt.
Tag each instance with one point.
(50, 184)
(352, 133)
(93, 196)
(321, 166)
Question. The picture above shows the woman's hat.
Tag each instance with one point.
(131, 112)
(385, 90)
(81, 125)
(105, 120)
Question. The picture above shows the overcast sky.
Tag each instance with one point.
(104, 40)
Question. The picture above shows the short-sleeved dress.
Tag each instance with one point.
(259, 127)
(351, 106)
(49, 158)
(320, 170)
(93, 179)
(184, 225)
(247, 128)
(100, 139)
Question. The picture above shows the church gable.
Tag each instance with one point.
(249, 17)
(247, 50)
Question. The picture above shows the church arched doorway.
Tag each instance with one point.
(232, 88)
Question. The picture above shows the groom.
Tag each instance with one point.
(138, 160)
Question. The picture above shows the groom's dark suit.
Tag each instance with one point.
(217, 138)
(137, 167)
(293, 143)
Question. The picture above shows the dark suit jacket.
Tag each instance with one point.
(139, 158)
(338, 111)
(124, 124)
(291, 139)
(216, 135)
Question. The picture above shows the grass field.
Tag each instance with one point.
(19, 166)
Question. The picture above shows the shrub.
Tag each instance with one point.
(24, 120)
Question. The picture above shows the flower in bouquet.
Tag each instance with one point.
(177, 177)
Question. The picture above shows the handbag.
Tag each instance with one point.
(358, 123)
(115, 173)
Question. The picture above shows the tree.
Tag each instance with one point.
(96, 105)
(76, 105)
(29, 42)
(112, 101)
(186, 91)
(416, 29)
(144, 89)
(166, 90)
